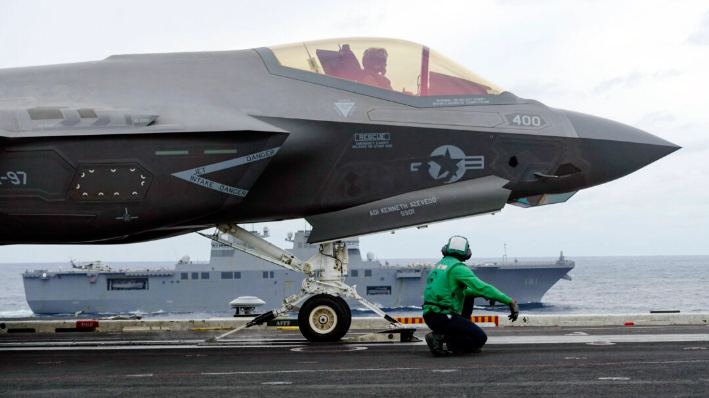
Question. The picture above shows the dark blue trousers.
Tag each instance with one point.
(460, 334)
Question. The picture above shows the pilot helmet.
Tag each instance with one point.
(374, 58)
(457, 247)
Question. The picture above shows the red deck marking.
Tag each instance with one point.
(477, 319)
(86, 324)
(486, 319)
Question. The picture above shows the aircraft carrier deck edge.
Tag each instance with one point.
(23, 326)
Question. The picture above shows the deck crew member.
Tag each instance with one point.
(450, 291)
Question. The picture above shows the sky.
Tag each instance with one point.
(642, 63)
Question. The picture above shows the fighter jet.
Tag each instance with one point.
(355, 135)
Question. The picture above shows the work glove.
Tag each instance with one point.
(514, 311)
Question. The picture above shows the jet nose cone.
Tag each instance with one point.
(615, 149)
(598, 128)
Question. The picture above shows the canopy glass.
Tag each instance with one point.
(389, 64)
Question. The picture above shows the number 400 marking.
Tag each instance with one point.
(526, 120)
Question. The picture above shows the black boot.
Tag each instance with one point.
(435, 344)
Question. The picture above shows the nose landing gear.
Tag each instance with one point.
(324, 317)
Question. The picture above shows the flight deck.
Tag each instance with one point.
(611, 360)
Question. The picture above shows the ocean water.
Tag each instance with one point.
(599, 285)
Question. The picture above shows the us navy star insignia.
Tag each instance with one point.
(450, 162)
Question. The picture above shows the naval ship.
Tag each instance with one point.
(210, 286)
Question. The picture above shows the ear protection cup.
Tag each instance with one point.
(468, 254)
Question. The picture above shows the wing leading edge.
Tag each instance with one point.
(62, 121)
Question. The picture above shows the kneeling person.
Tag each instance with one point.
(448, 302)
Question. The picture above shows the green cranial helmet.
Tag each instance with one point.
(457, 246)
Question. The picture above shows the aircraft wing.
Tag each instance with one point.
(49, 121)
(100, 173)
(462, 199)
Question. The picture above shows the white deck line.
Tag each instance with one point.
(610, 338)
(493, 340)
(525, 320)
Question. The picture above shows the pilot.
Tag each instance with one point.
(448, 302)
(374, 62)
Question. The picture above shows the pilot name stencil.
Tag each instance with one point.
(372, 141)
(449, 162)
(404, 209)
(193, 175)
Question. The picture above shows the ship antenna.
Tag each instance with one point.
(504, 258)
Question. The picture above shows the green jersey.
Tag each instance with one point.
(449, 282)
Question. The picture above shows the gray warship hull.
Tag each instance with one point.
(209, 287)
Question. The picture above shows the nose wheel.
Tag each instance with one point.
(324, 318)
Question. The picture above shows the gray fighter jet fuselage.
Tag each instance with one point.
(354, 139)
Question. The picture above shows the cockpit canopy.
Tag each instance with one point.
(389, 64)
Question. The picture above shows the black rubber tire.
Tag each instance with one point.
(334, 318)
(348, 311)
